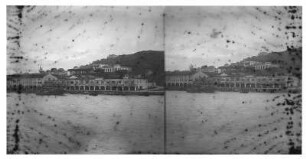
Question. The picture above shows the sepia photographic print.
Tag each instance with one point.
(154, 79)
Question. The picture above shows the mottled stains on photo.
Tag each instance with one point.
(154, 79)
(85, 80)
(233, 79)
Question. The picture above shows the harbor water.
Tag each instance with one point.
(76, 123)
(198, 123)
(232, 122)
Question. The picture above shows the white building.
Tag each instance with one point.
(266, 65)
(115, 68)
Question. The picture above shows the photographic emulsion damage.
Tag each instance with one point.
(154, 79)
(85, 80)
(233, 80)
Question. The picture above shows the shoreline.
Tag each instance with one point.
(94, 93)
(294, 91)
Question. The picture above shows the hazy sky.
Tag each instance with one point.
(69, 36)
(219, 35)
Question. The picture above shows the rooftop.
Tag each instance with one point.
(176, 73)
(32, 75)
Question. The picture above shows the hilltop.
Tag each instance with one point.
(289, 61)
(149, 64)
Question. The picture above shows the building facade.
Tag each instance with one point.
(224, 82)
(183, 78)
(257, 83)
(264, 66)
(32, 81)
(74, 83)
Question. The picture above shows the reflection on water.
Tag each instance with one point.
(84, 124)
(230, 122)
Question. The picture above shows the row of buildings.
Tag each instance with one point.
(176, 79)
(99, 68)
(99, 76)
(76, 82)
(243, 64)
(182, 79)
(259, 65)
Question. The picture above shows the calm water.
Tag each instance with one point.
(85, 124)
(222, 122)
(229, 122)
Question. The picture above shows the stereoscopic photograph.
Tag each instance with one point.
(154, 79)
(85, 80)
(233, 80)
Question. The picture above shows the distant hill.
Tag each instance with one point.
(289, 60)
(150, 64)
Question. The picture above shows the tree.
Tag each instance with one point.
(53, 69)
(60, 70)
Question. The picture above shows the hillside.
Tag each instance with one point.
(150, 64)
(290, 60)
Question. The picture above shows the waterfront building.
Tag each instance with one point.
(178, 79)
(54, 81)
(34, 81)
(94, 83)
(24, 81)
(257, 83)
(183, 78)
(232, 82)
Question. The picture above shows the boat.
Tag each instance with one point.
(50, 92)
(201, 89)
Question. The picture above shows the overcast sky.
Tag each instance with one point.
(219, 35)
(70, 36)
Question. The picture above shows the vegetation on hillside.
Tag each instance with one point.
(290, 62)
(148, 64)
